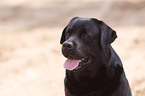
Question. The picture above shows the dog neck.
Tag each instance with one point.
(89, 81)
(90, 85)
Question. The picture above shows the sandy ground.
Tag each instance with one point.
(31, 63)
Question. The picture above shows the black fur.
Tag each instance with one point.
(104, 76)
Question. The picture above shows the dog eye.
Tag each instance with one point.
(85, 35)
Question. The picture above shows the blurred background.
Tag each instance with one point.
(31, 63)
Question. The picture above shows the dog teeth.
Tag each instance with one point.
(83, 59)
(78, 67)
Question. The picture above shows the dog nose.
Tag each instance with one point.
(67, 45)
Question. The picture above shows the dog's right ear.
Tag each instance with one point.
(64, 31)
(63, 35)
(74, 18)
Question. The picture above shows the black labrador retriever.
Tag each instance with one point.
(92, 67)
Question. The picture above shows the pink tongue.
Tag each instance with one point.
(71, 64)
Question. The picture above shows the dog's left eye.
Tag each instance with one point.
(85, 35)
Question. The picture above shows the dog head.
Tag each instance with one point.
(85, 41)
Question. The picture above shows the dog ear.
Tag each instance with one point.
(74, 18)
(108, 35)
(64, 30)
(63, 35)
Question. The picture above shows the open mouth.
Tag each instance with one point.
(75, 64)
